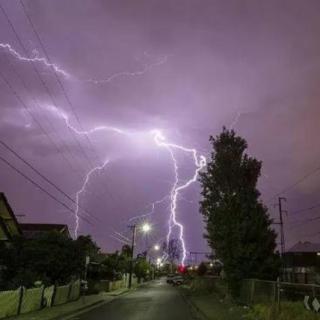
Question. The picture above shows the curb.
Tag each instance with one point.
(89, 307)
(199, 313)
(70, 313)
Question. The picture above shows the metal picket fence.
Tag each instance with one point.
(255, 291)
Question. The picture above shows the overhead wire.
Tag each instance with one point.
(28, 164)
(63, 90)
(42, 189)
(37, 72)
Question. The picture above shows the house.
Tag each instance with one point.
(302, 263)
(9, 226)
(31, 230)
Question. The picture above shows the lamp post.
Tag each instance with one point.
(133, 229)
(145, 228)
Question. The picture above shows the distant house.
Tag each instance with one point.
(302, 263)
(9, 226)
(31, 230)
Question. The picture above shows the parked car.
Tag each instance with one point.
(170, 276)
(177, 280)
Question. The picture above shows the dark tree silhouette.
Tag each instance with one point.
(173, 250)
(237, 223)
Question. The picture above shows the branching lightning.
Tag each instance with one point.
(83, 188)
(200, 162)
(122, 74)
(159, 139)
(151, 212)
(177, 188)
(36, 58)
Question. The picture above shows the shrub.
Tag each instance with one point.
(288, 311)
(202, 269)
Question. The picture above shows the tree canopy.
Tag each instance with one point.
(50, 257)
(237, 223)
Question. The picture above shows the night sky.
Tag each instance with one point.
(184, 67)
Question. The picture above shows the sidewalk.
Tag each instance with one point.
(55, 313)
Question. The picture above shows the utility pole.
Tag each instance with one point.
(282, 240)
(133, 229)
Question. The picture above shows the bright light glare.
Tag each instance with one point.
(157, 247)
(146, 227)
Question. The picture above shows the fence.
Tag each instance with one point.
(25, 300)
(267, 292)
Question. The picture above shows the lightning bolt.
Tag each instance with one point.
(141, 72)
(177, 188)
(42, 60)
(200, 162)
(151, 212)
(82, 190)
(35, 58)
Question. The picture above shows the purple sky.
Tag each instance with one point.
(198, 65)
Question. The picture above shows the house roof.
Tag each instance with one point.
(302, 247)
(9, 225)
(31, 229)
(43, 227)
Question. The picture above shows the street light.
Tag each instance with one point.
(146, 227)
(157, 247)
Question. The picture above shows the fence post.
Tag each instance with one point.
(252, 291)
(20, 300)
(313, 291)
(70, 289)
(274, 284)
(42, 298)
(53, 295)
(278, 294)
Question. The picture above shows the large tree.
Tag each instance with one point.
(237, 223)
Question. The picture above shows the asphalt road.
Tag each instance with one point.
(156, 301)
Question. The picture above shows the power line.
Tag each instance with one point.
(286, 189)
(43, 82)
(307, 220)
(19, 98)
(42, 189)
(63, 90)
(43, 176)
(306, 209)
(36, 71)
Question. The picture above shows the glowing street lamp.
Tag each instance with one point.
(157, 247)
(146, 227)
